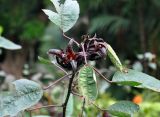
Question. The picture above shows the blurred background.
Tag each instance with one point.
(131, 27)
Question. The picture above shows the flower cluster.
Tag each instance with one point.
(94, 49)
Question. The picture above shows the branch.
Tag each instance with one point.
(71, 39)
(102, 76)
(54, 63)
(84, 54)
(59, 67)
(89, 101)
(68, 94)
(48, 106)
(57, 81)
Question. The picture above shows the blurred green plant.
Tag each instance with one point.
(33, 30)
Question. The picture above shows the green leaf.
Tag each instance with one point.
(114, 58)
(87, 82)
(130, 83)
(4, 43)
(26, 94)
(140, 79)
(66, 16)
(123, 109)
(1, 30)
(43, 60)
(112, 23)
(70, 106)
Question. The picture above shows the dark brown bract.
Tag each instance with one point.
(94, 49)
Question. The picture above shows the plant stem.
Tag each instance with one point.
(99, 107)
(76, 94)
(71, 39)
(83, 106)
(48, 106)
(59, 67)
(102, 76)
(89, 101)
(68, 93)
(84, 53)
(57, 81)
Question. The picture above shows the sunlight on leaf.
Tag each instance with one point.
(66, 16)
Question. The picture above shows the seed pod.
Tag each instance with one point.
(95, 48)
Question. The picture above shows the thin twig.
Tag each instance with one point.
(83, 106)
(54, 63)
(57, 81)
(89, 101)
(48, 106)
(59, 67)
(68, 93)
(71, 39)
(76, 94)
(102, 76)
(84, 53)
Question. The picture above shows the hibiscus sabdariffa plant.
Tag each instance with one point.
(74, 63)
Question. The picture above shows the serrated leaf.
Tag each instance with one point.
(69, 108)
(114, 58)
(66, 16)
(43, 60)
(123, 109)
(87, 82)
(5, 43)
(141, 80)
(26, 94)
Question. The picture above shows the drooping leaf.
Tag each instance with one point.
(66, 16)
(123, 109)
(5, 43)
(26, 94)
(43, 60)
(137, 79)
(114, 58)
(87, 82)
(70, 108)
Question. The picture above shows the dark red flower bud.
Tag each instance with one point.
(95, 48)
